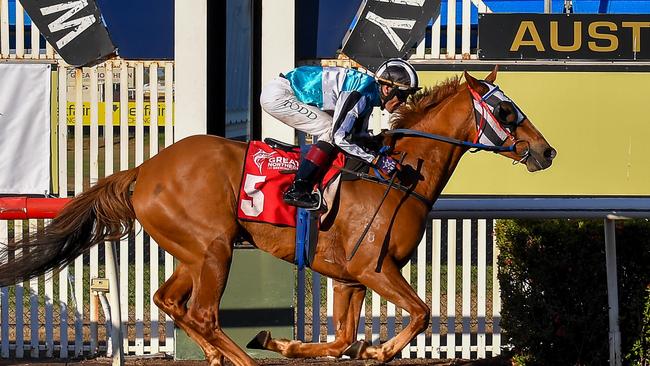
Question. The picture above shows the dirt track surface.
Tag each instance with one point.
(263, 362)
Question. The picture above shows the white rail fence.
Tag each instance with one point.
(57, 315)
(455, 257)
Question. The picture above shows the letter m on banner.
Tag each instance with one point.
(74, 28)
(386, 29)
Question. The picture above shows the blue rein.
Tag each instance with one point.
(450, 140)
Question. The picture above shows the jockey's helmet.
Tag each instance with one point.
(400, 75)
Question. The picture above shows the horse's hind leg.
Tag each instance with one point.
(348, 299)
(209, 277)
(172, 297)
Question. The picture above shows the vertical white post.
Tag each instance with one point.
(20, 30)
(451, 29)
(114, 293)
(466, 29)
(330, 310)
(94, 175)
(451, 288)
(612, 293)
(496, 298)
(35, 42)
(277, 56)
(467, 287)
(19, 292)
(422, 289)
(169, 106)
(435, 36)
(49, 312)
(406, 272)
(78, 188)
(63, 192)
(4, 28)
(139, 238)
(124, 165)
(33, 303)
(436, 240)
(376, 320)
(190, 55)
(481, 287)
(548, 6)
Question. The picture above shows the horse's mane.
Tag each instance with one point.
(410, 112)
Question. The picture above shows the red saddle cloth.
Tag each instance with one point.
(263, 183)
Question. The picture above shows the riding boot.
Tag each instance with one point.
(311, 171)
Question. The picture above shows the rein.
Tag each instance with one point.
(450, 140)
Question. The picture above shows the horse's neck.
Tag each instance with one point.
(437, 159)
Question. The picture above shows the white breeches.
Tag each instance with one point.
(277, 99)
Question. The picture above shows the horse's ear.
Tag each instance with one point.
(471, 81)
(493, 75)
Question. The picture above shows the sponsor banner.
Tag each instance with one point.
(74, 28)
(71, 112)
(387, 29)
(24, 129)
(564, 36)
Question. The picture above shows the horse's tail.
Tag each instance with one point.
(103, 212)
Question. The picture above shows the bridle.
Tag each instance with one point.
(492, 126)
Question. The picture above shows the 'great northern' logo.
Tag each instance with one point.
(260, 156)
(273, 161)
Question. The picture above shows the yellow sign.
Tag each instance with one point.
(597, 121)
(71, 111)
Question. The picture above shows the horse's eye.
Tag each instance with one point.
(505, 113)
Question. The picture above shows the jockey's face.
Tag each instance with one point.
(394, 103)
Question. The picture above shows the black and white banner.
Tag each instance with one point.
(74, 28)
(24, 128)
(387, 28)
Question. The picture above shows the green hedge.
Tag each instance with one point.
(554, 290)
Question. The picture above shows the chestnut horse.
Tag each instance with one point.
(185, 197)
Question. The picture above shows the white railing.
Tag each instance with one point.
(58, 315)
(433, 50)
(33, 51)
(464, 325)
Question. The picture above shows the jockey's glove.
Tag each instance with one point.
(386, 164)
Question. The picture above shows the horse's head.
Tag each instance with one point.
(500, 122)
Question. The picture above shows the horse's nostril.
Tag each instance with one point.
(550, 153)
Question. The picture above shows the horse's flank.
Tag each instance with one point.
(411, 112)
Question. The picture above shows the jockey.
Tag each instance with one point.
(334, 105)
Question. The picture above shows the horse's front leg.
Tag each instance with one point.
(348, 299)
(391, 285)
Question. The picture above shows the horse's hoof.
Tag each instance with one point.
(260, 341)
(355, 350)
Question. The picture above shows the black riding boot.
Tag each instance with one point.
(311, 171)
